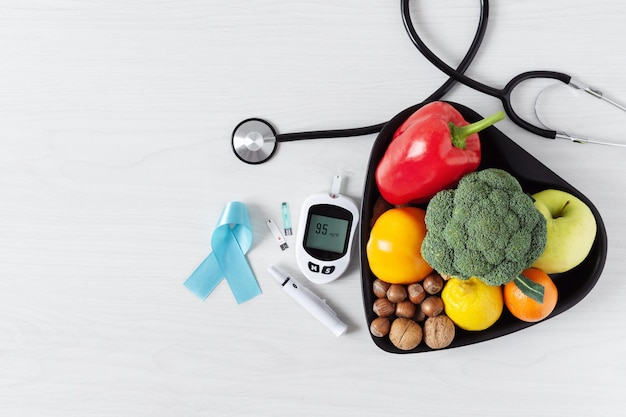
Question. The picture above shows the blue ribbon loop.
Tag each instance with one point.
(230, 241)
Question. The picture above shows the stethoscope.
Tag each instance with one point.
(255, 140)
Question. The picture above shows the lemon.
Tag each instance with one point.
(471, 304)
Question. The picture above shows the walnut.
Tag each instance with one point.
(405, 334)
(438, 331)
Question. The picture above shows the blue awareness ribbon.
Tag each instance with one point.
(230, 241)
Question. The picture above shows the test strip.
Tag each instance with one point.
(286, 219)
(280, 240)
(335, 188)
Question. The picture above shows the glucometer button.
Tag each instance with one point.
(314, 267)
(327, 270)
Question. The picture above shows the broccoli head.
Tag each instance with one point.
(487, 227)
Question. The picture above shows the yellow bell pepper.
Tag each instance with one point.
(394, 246)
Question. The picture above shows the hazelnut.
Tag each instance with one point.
(433, 283)
(416, 293)
(432, 306)
(438, 332)
(384, 307)
(405, 334)
(419, 314)
(396, 293)
(405, 309)
(380, 326)
(380, 288)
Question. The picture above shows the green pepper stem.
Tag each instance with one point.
(459, 134)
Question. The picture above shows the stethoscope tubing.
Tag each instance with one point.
(330, 134)
(503, 94)
(255, 140)
(436, 95)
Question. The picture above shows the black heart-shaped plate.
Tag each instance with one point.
(498, 151)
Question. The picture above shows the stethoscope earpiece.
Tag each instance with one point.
(254, 141)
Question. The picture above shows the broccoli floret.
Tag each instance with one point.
(487, 227)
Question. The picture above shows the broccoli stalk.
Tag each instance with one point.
(488, 228)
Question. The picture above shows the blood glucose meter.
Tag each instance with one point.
(326, 230)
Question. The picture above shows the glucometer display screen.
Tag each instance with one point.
(326, 236)
(327, 233)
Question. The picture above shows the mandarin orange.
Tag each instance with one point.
(524, 307)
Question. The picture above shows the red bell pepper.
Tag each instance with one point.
(430, 152)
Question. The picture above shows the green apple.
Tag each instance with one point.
(571, 228)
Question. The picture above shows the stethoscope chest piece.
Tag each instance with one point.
(254, 141)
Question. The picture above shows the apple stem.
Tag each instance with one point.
(563, 208)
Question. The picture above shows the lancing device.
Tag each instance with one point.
(309, 301)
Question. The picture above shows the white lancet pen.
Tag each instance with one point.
(309, 301)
